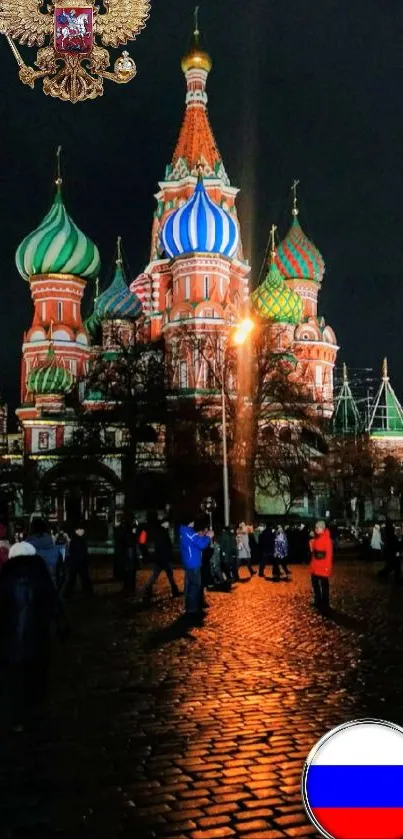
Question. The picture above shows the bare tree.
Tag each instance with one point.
(123, 412)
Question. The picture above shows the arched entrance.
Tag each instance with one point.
(82, 489)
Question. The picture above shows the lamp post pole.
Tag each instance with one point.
(225, 452)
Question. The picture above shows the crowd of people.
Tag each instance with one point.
(212, 561)
(39, 570)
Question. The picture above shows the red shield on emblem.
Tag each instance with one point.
(73, 29)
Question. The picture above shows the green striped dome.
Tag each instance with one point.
(50, 378)
(57, 246)
(274, 301)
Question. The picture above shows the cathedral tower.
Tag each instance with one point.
(197, 271)
(56, 259)
(315, 344)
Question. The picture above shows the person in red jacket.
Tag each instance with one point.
(321, 566)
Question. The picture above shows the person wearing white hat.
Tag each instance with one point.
(28, 604)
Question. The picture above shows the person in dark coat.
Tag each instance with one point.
(229, 553)
(130, 561)
(391, 550)
(78, 564)
(28, 605)
(266, 548)
(118, 552)
(163, 559)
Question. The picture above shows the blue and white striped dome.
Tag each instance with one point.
(200, 226)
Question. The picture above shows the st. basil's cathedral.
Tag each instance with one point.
(197, 280)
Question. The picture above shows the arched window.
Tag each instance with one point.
(59, 311)
(187, 288)
(206, 287)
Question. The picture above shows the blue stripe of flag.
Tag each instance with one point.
(355, 786)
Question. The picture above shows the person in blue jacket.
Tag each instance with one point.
(194, 539)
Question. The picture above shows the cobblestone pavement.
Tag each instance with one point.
(154, 733)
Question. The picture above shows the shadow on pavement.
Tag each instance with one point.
(344, 620)
(180, 628)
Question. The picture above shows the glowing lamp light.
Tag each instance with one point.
(243, 330)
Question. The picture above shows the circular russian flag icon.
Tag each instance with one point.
(352, 783)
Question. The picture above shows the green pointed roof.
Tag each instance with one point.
(274, 301)
(57, 246)
(386, 418)
(346, 417)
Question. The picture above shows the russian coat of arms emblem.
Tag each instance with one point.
(70, 61)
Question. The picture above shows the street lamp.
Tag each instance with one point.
(242, 331)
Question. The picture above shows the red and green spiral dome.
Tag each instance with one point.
(298, 258)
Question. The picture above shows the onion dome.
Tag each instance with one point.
(274, 301)
(117, 302)
(57, 246)
(297, 256)
(50, 378)
(92, 324)
(200, 226)
(196, 58)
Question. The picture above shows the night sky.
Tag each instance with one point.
(311, 90)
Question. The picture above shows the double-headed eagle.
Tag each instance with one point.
(70, 62)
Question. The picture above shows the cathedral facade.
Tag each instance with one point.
(197, 281)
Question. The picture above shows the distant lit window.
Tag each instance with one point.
(183, 375)
(43, 440)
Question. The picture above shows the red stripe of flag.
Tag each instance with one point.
(361, 823)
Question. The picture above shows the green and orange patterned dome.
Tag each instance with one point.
(297, 257)
(50, 378)
(57, 246)
(272, 300)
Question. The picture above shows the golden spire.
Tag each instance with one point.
(196, 31)
(273, 231)
(385, 372)
(119, 250)
(294, 188)
(59, 179)
(196, 58)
